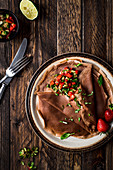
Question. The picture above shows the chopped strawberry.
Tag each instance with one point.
(51, 83)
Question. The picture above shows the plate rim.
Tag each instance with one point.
(29, 89)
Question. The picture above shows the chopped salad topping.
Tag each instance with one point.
(66, 83)
(7, 26)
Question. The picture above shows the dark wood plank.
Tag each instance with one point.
(95, 28)
(5, 50)
(68, 40)
(109, 45)
(69, 26)
(41, 35)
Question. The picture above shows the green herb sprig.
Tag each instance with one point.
(28, 154)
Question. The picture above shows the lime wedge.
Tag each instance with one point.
(28, 9)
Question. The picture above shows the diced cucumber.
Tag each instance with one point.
(4, 33)
(7, 15)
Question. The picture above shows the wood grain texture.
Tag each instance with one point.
(5, 53)
(109, 53)
(68, 26)
(97, 40)
(95, 27)
(41, 35)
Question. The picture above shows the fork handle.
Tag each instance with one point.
(3, 79)
(2, 89)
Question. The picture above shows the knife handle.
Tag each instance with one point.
(2, 89)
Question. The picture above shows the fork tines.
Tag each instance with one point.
(20, 64)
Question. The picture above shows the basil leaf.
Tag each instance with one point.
(66, 135)
(100, 80)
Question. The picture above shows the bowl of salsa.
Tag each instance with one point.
(9, 25)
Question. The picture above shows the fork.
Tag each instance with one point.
(19, 65)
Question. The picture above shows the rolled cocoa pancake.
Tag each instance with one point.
(54, 109)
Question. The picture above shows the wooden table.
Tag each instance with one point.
(62, 26)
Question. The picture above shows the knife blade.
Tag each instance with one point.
(20, 53)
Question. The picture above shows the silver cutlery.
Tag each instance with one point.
(20, 53)
(19, 65)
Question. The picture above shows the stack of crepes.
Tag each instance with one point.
(54, 109)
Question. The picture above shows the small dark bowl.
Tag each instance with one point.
(13, 34)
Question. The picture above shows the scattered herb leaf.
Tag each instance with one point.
(79, 119)
(63, 122)
(55, 75)
(83, 98)
(79, 64)
(90, 94)
(65, 118)
(48, 85)
(66, 135)
(77, 110)
(100, 80)
(89, 114)
(22, 163)
(87, 102)
(78, 104)
(83, 94)
(79, 90)
(69, 105)
(67, 59)
(71, 119)
(56, 94)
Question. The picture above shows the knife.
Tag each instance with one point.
(19, 55)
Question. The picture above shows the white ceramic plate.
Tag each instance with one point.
(71, 143)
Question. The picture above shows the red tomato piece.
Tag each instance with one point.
(58, 77)
(72, 97)
(76, 71)
(69, 75)
(57, 83)
(70, 93)
(73, 83)
(7, 20)
(11, 19)
(12, 26)
(69, 84)
(51, 83)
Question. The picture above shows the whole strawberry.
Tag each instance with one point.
(109, 115)
(102, 126)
